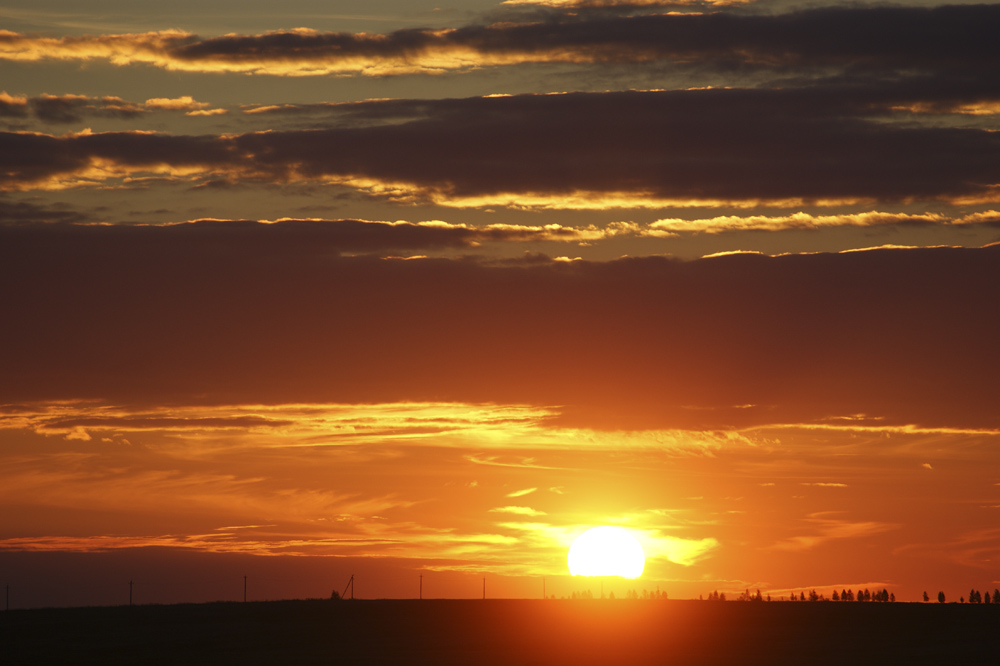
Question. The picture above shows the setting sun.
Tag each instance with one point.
(606, 551)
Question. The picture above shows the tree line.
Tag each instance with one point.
(975, 597)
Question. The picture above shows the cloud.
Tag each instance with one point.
(685, 552)
(519, 510)
(727, 223)
(73, 108)
(13, 106)
(62, 109)
(26, 211)
(521, 493)
(908, 38)
(828, 528)
(79, 433)
(975, 548)
(579, 150)
(336, 236)
(292, 425)
(185, 103)
(258, 316)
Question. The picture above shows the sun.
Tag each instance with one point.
(606, 551)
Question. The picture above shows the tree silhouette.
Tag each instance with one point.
(996, 596)
(940, 597)
(836, 597)
(926, 598)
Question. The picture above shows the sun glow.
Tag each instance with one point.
(606, 551)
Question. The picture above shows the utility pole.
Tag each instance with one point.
(244, 589)
(421, 586)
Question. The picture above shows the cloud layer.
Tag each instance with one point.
(839, 37)
(273, 313)
(563, 151)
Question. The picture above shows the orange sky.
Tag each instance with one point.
(425, 291)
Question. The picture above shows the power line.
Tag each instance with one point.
(350, 584)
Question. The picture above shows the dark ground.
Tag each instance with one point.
(509, 632)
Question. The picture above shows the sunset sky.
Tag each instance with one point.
(301, 290)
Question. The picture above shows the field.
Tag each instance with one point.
(505, 632)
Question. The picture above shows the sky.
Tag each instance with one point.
(420, 292)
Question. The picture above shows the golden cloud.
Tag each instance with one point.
(800, 220)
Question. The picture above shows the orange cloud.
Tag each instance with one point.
(728, 223)
(982, 108)
(185, 103)
(519, 510)
(829, 528)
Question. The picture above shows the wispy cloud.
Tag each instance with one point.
(518, 510)
(827, 527)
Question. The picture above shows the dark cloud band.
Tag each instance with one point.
(842, 37)
(904, 335)
(728, 145)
